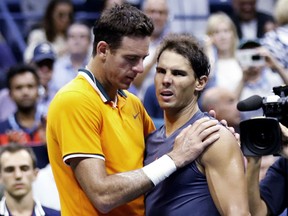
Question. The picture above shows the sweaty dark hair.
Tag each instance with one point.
(20, 69)
(189, 47)
(14, 147)
(119, 21)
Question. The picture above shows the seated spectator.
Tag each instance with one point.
(221, 45)
(43, 59)
(23, 126)
(258, 78)
(78, 50)
(17, 172)
(250, 23)
(58, 16)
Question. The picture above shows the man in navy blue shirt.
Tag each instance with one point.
(214, 183)
(17, 173)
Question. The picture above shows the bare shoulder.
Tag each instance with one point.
(225, 148)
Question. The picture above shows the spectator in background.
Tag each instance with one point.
(17, 172)
(224, 102)
(110, 3)
(78, 50)
(43, 61)
(250, 23)
(158, 11)
(34, 9)
(44, 58)
(258, 78)
(23, 126)
(58, 16)
(221, 45)
(277, 41)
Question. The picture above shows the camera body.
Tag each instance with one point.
(249, 58)
(262, 136)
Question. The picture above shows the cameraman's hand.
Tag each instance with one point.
(284, 150)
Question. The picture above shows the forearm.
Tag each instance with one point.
(256, 204)
(107, 192)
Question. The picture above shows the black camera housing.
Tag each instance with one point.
(262, 136)
(266, 140)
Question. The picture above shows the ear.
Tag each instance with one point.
(201, 83)
(102, 49)
(35, 171)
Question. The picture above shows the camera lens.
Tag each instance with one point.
(262, 139)
(256, 57)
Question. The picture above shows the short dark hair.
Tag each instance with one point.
(119, 21)
(189, 47)
(20, 69)
(15, 147)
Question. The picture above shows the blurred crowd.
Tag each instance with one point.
(246, 42)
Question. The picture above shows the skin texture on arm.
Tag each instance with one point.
(109, 191)
(223, 165)
(256, 204)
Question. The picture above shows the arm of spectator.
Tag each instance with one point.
(274, 64)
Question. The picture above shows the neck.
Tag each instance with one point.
(20, 206)
(224, 54)
(26, 118)
(100, 74)
(174, 122)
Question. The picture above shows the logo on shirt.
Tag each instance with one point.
(135, 116)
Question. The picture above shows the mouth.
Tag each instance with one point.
(19, 186)
(166, 94)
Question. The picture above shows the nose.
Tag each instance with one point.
(18, 173)
(167, 78)
(139, 67)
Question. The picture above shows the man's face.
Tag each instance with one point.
(246, 9)
(78, 39)
(175, 82)
(158, 12)
(17, 173)
(45, 71)
(24, 90)
(226, 108)
(223, 36)
(121, 66)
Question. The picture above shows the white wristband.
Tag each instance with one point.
(160, 169)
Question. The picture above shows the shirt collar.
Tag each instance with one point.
(37, 211)
(98, 86)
